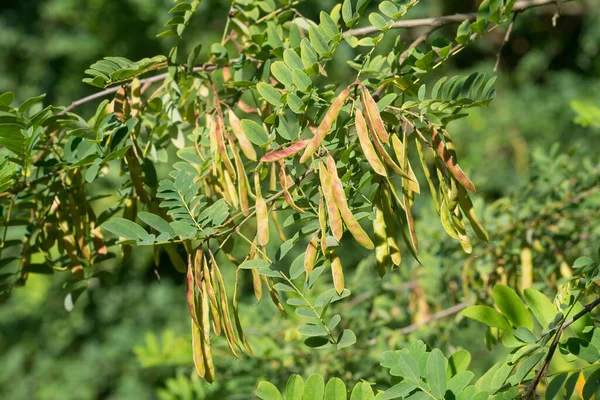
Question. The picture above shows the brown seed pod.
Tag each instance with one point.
(245, 144)
(326, 124)
(399, 150)
(366, 146)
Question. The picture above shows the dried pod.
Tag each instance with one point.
(366, 146)
(219, 135)
(190, 295)
(209, 375)
(340, 199)
(326, 124)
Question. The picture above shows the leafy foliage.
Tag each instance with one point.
(272, 160)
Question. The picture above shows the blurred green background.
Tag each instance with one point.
(128, 337)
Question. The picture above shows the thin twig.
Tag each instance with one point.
(506, 39)
(448, 19)
(530, 393)
(438, 315)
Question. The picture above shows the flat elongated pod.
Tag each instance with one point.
(399, 149)
(340, 200)
(322, 222)
(209, 374)
(427, 174)
(337, 272)
(325, 125)
(310, 256)
(256, 284)
(373, 115)
(262, 214)
(238, 132)
(197, 350)
(242, 183)
(366, 145)
(335, 220)
(236, 316)
(450, 162)
(214, 306)
(191, 295)
(289, 151)
(382, 248)
(390, 227)
(219, 135)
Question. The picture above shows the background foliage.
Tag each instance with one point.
(531, 154)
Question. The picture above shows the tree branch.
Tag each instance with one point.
(448, 19)
(438, 315)
(530, 393)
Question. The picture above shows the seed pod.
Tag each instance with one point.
(450, 162)
(278, 228)
(446, 221)
(463, 238)
(387, 158)
(467, 206)
(219, 135)
(190, 295)
(322, 222)
(326, 124)
(280, 154)
(310, 256)
(526, 268)
(410, 220)
(209, 375)
(245, 144)
(452, 195)
(121, 105)
(198, 268)
(340, 200)
(236, 315)
(242, 184)
(382, 249)
(335, 221)
(283, 181)
(231, 191)
(256, 284)
(262, 214)
(373, 115)
(366, 146)
(214, 306)
(197, 350)
(136, 98)
(224, 306)
(390, 227)
(211, 125)
(337, 272)
(274, 295)
(400, 150)
(427, 173)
